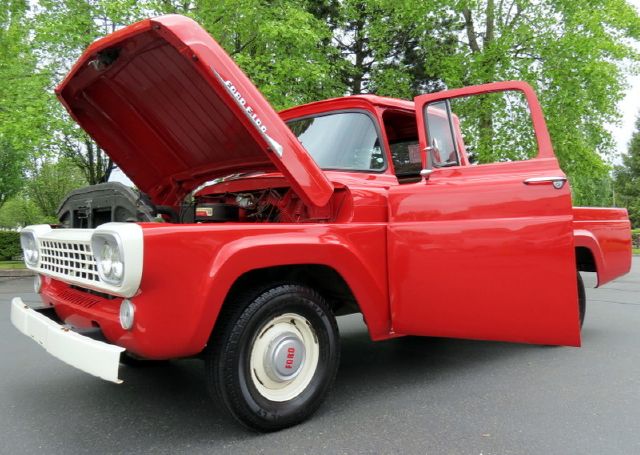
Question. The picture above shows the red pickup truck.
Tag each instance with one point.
(274, 224)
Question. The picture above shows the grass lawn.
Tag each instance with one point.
(12, 265)
(636, 251)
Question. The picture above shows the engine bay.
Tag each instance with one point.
(270, 205)
(259, 200)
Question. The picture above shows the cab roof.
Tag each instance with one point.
(347, 102)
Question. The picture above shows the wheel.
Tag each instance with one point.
(273, 356)
(582, 300)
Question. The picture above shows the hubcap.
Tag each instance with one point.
(284, 357)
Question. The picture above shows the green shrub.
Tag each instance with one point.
(9, 245)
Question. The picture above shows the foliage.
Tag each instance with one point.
(508, 133)
(282, 47)
(627, 178)
(9, 245)
(50, 182)
(20, 211)
(593, 190)
(62, 30)
(576, 54)
(11, 169)
(23, 113)
(381, 50)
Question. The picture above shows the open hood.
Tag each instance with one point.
(173, 111)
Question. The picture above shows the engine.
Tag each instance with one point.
(95, 205)
(271, 205)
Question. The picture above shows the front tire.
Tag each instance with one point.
(274, 356)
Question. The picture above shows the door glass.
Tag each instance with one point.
(442, 146)
(488, 127)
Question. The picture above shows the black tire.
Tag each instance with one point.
(582, 300)
(245, 324)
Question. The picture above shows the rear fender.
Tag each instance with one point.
(586, 239)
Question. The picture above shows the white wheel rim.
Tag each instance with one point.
(284, 357)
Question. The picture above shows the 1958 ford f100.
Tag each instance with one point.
(274, 224)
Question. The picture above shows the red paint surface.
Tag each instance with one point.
(163, 113)
(492, 254)
(472, 253)
(607, 234)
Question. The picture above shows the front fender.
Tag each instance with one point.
(357, 254)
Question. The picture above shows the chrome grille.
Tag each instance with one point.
(68, 258)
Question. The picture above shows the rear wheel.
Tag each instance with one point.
(582, 300)
(274, 356)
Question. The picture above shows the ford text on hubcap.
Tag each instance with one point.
(284, 357)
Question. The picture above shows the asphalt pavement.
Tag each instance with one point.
(408, 395)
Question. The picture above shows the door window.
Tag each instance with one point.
(442, 145)
(493, 127)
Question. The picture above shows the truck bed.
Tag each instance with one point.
(605, 232)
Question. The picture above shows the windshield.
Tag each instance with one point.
(347, 141)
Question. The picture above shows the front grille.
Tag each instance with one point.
(68, 258)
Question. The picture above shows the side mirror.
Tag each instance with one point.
(425, 155)
(425, 174)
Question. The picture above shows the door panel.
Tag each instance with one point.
(476, 253)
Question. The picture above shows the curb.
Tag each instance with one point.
(16, 273)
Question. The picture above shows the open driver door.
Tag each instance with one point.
(484, 251)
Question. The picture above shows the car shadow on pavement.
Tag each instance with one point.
(168, 402)
(414, 361)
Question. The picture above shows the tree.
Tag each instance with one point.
(20, 211)
(11, 163)
(23, 110)
(382, 51)
(284, 49)
(50, 182)
(63, 30)
(627, 178)
(573, 52)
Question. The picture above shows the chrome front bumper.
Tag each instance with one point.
(91, 356)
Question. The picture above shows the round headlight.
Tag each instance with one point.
(117, 270)
(106, 259)
(127, 314)
(109, 258)
(29, 248)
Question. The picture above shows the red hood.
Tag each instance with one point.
(172, 109)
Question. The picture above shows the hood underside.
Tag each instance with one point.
(173, 111)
